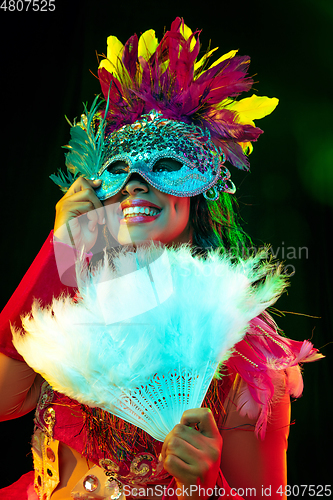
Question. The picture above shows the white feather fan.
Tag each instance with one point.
(148, 331)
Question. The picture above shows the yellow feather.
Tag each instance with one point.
(228, 55)
(114, 52)
(201, 61)
(164, 66)
(115, 49)
(252, 108)
(147, 44)
(187, 32)
(247, 147)
(105, 63)
(226, 103)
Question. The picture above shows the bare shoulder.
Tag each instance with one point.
(19, 388)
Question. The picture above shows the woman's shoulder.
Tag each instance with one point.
(265, 366)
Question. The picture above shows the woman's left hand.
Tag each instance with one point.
(193, 456)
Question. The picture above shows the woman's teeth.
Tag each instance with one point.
(134, 211)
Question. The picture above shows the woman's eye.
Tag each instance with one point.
(167, 165)
(161, 168)
(118, 167)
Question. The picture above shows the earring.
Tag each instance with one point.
(211, 194)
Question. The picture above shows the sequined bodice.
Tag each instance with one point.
(134, 460)
(118, 447)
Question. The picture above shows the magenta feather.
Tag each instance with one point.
(265, 353)
(130, 55)
(175, 92)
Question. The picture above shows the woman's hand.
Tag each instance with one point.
(77, 214)
(193, 456)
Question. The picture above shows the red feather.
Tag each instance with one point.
(166, 83)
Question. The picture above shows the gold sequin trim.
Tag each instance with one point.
(246, 359)
(283, 347)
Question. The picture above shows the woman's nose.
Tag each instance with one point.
(135, 184)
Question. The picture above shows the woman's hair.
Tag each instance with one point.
(216, 224)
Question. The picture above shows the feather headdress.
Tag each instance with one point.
(169, 78)
(145, 75)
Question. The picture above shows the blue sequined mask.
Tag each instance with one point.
(138, 147)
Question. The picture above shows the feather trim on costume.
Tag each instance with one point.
(269, 366)
(150, 315)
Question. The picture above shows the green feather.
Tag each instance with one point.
(85, 148)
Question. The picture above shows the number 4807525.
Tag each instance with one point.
(307, 490)
(25, 5)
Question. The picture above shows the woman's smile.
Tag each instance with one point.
(138, 211)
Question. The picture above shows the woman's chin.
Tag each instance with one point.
(135, 240)
(135, 235)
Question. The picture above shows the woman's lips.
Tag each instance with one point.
(139, 219)
(137, 202)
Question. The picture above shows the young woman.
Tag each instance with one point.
(150, 167)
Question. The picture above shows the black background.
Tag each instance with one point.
(285, 201)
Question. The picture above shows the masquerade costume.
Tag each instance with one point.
(160, 103)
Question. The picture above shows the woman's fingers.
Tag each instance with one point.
(83, 189)
(78, 213)
(202, 418)
(188, 444)
(92, 217)
(79, 192)
(80, 184)
(181, 442)
(177, 468)
(205, 422)
(190, 453)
